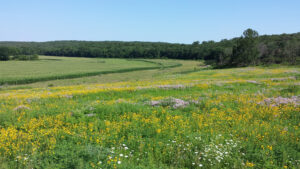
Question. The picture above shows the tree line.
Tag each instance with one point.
(249, 49)
(12, 53)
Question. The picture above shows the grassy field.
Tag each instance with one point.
(182, 117)
(52, 68)
(169, 69)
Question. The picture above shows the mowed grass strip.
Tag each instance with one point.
(51, 68)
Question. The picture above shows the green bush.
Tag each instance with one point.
(26, 57)
(3, 58)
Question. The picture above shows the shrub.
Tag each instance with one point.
(3, 58)
(26, 57)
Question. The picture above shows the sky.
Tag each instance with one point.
(175, 21)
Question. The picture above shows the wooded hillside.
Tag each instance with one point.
(241, 51)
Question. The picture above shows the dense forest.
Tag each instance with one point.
(249, 49)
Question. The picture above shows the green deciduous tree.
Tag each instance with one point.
(4, 53)
(245, 52)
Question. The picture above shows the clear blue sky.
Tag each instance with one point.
(182, 21)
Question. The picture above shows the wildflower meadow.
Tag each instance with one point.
(229, 118)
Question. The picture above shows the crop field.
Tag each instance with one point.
(181, 117)
(166, 69)
(52, 68)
